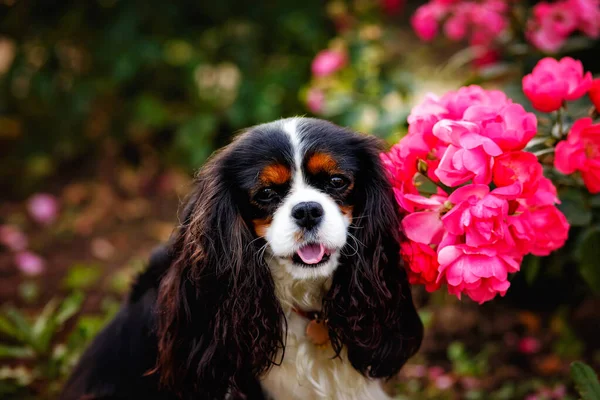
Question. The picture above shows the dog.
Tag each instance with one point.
(282, 281)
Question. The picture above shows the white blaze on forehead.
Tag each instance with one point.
(291, 128)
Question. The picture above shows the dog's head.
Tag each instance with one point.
(314, 197)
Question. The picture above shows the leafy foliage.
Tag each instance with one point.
(91, 77)
(586, 381)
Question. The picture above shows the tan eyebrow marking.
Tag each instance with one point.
(275, 174)
(321, 162)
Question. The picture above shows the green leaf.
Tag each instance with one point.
(574, 207)
(20, 323)
(589, 254)
(82, 276)
(7, 328)
(531, 267)
(586, 381)
(69, 307)
(16, 352)
(44, 327)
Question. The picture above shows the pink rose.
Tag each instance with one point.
(552, 82)
(588, 16)
(422, 264)
(426, 19)
(43, 208)
(595, 94)
(551, 25)
(509, 126)
(327, 62)
(469, 155)
(480, 273)
(13, 238)
(30, 263)
(478, 215)
(457, 102)
(581, 152)
(315, 99)
(518, 168)
(551, 230)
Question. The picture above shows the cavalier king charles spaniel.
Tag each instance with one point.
(282, 281)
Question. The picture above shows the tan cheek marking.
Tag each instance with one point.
(321, 162)
(347, 210)
(275, 174)
(261, 225)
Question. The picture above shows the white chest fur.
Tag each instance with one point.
(308, 371)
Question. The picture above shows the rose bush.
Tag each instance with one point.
(476, 201)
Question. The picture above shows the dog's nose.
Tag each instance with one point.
(307, 214)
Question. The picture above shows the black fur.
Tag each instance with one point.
(203, 320)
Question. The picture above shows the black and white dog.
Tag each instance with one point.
(282, 281)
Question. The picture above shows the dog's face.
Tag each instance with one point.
(298, 176)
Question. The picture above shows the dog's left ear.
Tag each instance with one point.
(369, 307)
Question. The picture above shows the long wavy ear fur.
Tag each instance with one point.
(369, 306)
(219, 323)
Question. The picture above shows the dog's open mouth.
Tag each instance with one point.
(311, 255)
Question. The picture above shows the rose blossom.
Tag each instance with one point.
(552, 82)
(422, 264)
(551, 25)
(551, 230)
(518, 168)
(327, 62)
(469, 155)
(595, 94)
(426, 19)
(588, 15)
(478, 215)
(479, 272)
(581, 152)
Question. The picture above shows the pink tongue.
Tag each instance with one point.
(312, 253)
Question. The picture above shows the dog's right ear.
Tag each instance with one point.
(219, 322)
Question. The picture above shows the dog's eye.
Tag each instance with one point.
(266, 195)
(338, 182)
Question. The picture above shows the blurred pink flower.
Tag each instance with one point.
(425, 20)
(581, 152)
(529, 345)
(30, 263)
(315, 99)
(443, 382)
(551, 25)
(588, 16)
(435, 372)
(552, 82)
(326, 62)
(13, 238)
(43, 208)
